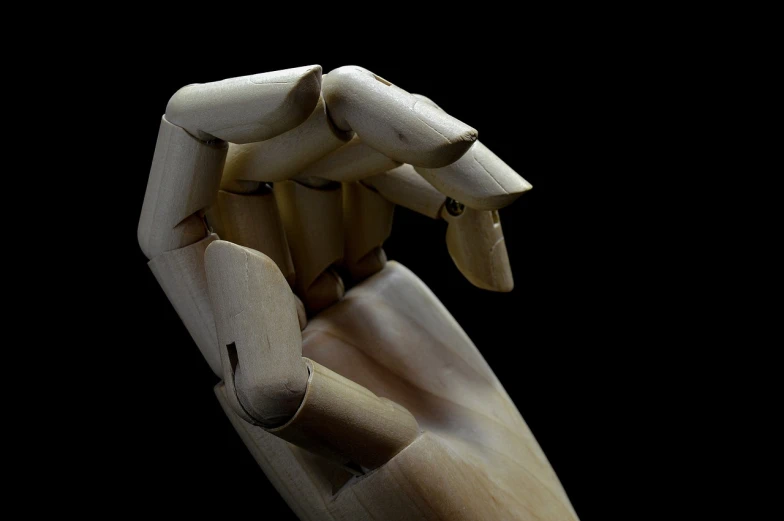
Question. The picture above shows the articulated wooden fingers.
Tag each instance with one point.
(190, 156)
(313, 220)
(351, 162)
(479, 179)
(252, 220)
(184, 177)
(258, 333)
(248, 108)
(368, 208)
(392, 120)
(476, 244)
(474, 237)
(284, 156)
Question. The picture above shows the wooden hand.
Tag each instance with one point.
(370, 403)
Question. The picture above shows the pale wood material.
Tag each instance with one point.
(392, 120)
(480, 179)
(283, 156)
(270, 384)
(367, 223)
(247, 108)
(476, 460)
(476, 244)
(302, 314)
(252, 220)
(258, 333)
(404, 187)
(313, 220)
(474, 238)
(351, 162)
(346, 423)
(379, 407)
(183, 279)
(184, 177)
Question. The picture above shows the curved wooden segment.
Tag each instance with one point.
(283, 156)
(392, 120)
(477, 246)
(247, 108)
(182, 277)
(346, 423)
(480, 179)
(252, 220)
(184, 179)
(351, 162)
(404, 187)
(367, 223)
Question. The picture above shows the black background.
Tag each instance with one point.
(559, 114)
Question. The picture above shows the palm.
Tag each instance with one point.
(392, 335)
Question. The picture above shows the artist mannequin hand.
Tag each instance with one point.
(366, 403)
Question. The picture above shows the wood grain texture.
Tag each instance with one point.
(367, 223)
(379, 407)
(477, 246)
(346, 423)
(184, 177)
(393, 121)
(313, 220)
(405, 187)
(282, 156)
(258, 330)
(480, 179)
(351, 162)
(475, 460)
(252, 220)
(182, 276)
(247, 108)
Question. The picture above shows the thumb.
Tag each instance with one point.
(258, 333)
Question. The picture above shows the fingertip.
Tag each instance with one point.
(225, 258)
(393, 121)
(306, 91)
(479, 179)
(476, 243)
